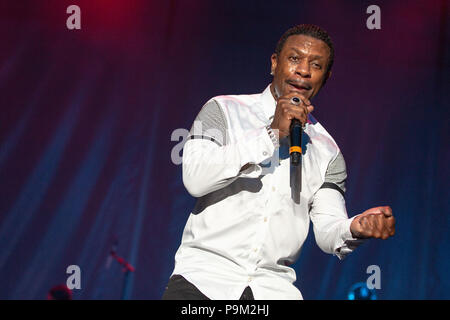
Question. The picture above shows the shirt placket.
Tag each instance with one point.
(263, 225)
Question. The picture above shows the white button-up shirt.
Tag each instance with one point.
(246, 228)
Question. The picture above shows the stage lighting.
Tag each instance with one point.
(359, 291)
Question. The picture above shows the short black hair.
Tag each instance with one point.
(312, 31)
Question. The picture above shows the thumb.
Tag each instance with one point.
(387, 211)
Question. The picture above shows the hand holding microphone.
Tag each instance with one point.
(288, 109)
(291, 114)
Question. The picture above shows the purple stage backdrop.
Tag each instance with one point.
(87, 117)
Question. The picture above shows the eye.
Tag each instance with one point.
(293, 58)
(317, 66)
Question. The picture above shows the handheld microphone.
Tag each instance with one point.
(295, 135)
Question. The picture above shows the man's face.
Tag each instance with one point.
(300, 67)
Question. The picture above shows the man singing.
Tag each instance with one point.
(247, 228)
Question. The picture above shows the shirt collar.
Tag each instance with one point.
(268, 103)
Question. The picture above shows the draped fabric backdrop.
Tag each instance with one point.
(87, 118)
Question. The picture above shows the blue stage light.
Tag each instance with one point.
(359, 291)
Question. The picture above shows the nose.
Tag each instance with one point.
(303, 69)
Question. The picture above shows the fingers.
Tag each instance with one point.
(377, 223)
(387, 211)
(380, 228)
(387, 226)
(286, 110)
(290, 111)
(366, 226)
(290, 95)
(391, 226)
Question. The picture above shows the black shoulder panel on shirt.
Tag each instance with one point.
(204, 137)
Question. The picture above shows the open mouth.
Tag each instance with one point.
(299, 86)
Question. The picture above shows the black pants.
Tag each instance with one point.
(179, 288)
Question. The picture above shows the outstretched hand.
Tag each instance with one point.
(374, 223)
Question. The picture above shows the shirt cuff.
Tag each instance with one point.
(347, 242)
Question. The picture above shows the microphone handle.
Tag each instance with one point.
(295, 151)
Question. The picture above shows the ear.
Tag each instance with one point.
(273, 60)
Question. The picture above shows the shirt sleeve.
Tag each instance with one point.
(211, 161)
(329, 215)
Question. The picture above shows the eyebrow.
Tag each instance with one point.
(314, 56)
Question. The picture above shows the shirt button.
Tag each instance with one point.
(264, 153)
(250, 279)
(265, 219)
(273, 189)
(256, 249)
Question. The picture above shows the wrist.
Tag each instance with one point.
(354, 229)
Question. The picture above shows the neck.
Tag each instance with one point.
(273, 92)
